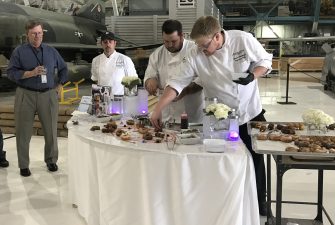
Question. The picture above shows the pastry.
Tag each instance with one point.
(262, 137)
(301, 143)
(130, 122)
(147, 136)
(274, 137)
(262, 128)
(143, 130)
(104, 130)
(304, 149)
(159, 134)
(271, 126)
(321, 150)
(286, 138)
(125, 137)
(291, 149)
(93, 128)
(119, 132)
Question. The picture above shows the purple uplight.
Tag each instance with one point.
(233, 136)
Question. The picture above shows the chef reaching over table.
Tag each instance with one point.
(226, 64)
(164, 63)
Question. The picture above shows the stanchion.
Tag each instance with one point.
(287, 85)
(9, 137)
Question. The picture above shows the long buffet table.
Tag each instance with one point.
(133, 183)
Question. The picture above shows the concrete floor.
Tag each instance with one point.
(43, 197)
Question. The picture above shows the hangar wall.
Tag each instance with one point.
(144, 30)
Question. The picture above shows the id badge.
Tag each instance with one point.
(44, 79)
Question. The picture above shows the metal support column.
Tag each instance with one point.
(316, 16)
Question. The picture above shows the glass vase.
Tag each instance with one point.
(212, 127)
(130, 91)
(316, 129)
(208, 125)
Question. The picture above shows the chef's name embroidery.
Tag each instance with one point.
(240, 55)
(119, 62)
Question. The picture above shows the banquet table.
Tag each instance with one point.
(113, 182)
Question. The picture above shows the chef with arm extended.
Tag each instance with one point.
(164, 63)
(227, 64)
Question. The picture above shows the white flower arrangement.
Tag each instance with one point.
(317, 117)
(130, 81)
(219, 110)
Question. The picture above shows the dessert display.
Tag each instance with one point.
(292, 137)
(129, 130)
(136, 130)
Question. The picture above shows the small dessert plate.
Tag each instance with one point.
(214, 145)
(188, 139)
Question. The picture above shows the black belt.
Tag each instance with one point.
(36, 90)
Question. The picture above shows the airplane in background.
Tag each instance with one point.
(74, 36)
(317, 38)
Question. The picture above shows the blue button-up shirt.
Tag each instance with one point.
(26, 58)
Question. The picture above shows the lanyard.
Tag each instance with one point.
(35, 54)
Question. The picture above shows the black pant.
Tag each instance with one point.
(1, 144)
(257, 158)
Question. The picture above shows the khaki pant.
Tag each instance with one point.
(27, 104)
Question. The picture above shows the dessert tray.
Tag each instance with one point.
(291, 138)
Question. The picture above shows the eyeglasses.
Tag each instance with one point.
(206, 46)
(37, 33)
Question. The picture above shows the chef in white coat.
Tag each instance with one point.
(110, 67)
(164, 63)
(227, 65)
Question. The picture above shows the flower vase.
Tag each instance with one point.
(130, 91)
(208, 125)
(316, 129)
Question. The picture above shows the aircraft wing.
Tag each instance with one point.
(84, 46)
(72, 46)
(138, 46)
(321, 38)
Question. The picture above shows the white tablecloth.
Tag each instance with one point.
(118, 183)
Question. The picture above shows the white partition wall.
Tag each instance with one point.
(144, 30)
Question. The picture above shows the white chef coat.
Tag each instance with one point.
(109, 71)
(240, 53)
(163, 65)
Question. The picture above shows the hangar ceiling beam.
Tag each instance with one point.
(316, 16)
(115, 9)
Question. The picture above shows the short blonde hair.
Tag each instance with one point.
(205, 26)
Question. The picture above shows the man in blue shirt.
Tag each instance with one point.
(33, 67)
(3, 161)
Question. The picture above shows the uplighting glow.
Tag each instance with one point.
(233, 136)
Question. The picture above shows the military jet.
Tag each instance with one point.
(74, 36)
(65, 32)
